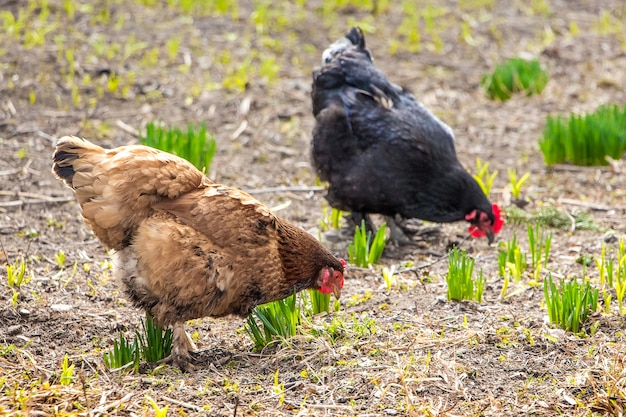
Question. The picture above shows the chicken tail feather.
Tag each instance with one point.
(69, 150)
(116, 188)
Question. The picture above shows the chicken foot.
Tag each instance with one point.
(397, 235)
(183, 348)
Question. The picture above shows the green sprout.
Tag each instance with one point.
(16, 274)
(192, 145)
(540, 244)
(67, 372)
(585, 140)
(331, 219)
(570, 304)
(483, 177)
(173, 46)
(269, 69)
(158, 411)
(389, 275)
(515, 75)
(460, 281)
(278, 321)
(516, 184)
(364, 250)
(511, 260)
(620, 276)
(606, 273)
(60, 259)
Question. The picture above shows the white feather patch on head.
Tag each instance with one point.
(334, 49)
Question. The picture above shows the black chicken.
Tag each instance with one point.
(383, 152)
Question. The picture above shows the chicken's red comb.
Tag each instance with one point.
(497, 224)
(343, 263)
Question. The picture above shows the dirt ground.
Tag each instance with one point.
(403, 351)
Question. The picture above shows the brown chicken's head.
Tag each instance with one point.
(331, 280)
(485, 224)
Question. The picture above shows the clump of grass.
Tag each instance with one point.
(123, 354)
(152, 344)
(155, 343)
(460, 280)
(278, 321)
(193, 144)
(570, 304)
(585, 140)
(513, 76)
(315, 302)
(364, 250)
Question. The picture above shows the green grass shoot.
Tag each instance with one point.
(512, 261)
(193, 144)
(513, 76)
(539, 242)
(60, 259)
(315, 302)
(460, 281)
(364, 250)
(122, 355)
(389, 276)
(158, 411)
(612, 275)
(516, 184)
(16, 274)
(278, 321)
(331, 217)
(67, 372)
(483, 177)
(570, 304)
(585, 140)
(155, 343)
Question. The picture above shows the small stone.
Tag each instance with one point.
(24, 312)
(14, 330)
(61, 307)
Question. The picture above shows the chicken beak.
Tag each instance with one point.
(490, 236)
(337, 292)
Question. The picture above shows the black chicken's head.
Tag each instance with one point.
(354, 39)
(485, 222)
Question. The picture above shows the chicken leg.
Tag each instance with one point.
(397, 235)
(182, 348)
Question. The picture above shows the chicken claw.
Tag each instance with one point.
(183, 349)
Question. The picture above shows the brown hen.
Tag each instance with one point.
(186, 247)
